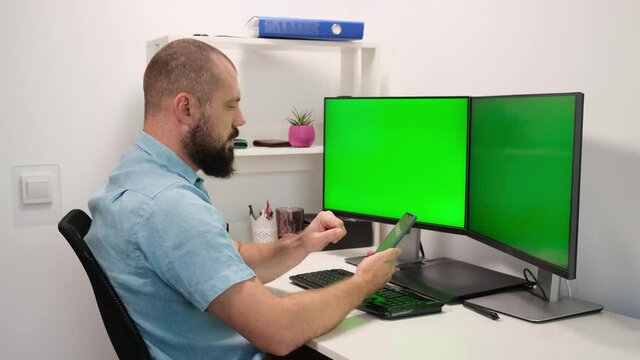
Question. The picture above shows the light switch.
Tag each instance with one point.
(36, 195)
(36, 189)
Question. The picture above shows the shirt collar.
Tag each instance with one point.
(167, 157)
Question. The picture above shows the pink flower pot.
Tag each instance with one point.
(301, 135)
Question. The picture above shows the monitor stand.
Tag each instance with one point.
(445, 279)
(526, 306)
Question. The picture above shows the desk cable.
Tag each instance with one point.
(544, 296)
(526, 272)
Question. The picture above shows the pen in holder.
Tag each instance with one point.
(263, 229)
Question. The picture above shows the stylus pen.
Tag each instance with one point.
(482, 311)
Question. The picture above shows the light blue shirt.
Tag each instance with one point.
(166, 250)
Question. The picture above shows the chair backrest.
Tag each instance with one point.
(121, 329)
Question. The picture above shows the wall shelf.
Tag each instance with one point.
(267, 151)
(272, 44)
(358, 64)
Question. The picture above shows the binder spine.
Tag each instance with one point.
(291, 28)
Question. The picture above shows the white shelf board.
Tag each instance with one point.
(267, 151)
(271, 44)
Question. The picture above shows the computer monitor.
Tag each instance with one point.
(524, 188)
(385, 156)
(506, 173)
(524, 177)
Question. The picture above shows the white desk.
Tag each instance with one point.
(458, 333)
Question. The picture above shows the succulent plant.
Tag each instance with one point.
(300, 118)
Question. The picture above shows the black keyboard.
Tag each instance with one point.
(390, 302)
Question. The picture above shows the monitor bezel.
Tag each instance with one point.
(569, 272)
(387, 220)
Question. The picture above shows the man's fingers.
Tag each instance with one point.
(391, 254)
(337, 234)
(330, 221)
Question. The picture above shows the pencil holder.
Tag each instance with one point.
(263, 229)
(290, 220)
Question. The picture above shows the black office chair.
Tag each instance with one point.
(121, 329)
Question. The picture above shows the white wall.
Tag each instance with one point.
(71, 95)
(495, 47)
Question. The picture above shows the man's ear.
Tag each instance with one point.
(186, 110)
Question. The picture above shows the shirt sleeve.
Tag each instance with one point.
(185, 240)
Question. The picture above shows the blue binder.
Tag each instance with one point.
(312, 29)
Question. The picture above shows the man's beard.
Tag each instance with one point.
(211, 155)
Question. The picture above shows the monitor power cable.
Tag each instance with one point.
(568, 287)
(527, 273)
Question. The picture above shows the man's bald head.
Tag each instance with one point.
(185, 65)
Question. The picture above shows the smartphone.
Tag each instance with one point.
(403, 226)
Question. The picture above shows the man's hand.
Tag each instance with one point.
(271, 260)
(324, 229)
(377, 268)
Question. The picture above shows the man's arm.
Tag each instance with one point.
(280, 325)
(270, 260)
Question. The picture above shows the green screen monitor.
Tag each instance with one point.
(386, 156)
(524, 177)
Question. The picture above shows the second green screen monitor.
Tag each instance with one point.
(524, 176)
(386, 156)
